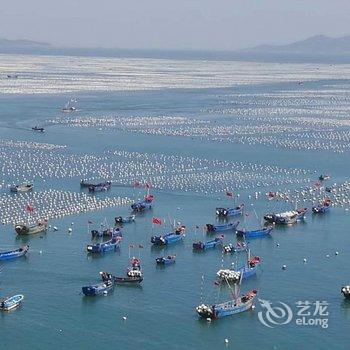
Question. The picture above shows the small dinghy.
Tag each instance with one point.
(37, 128)
(11, 303)
(324, 177)
(225, 212)
(108, 246)
(39, 227)
(22, 188)
(169, 238)
(346, 291)
(231, 226)
(98, 289)
(322, 208)
(169, 260)
(263, 232)
(13, 254)
(239, 247)
(120, 220)
(218, 241)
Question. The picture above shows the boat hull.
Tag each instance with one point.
(14, 253)
(256, 233)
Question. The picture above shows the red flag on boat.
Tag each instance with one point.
(229, 194)
(157, 221)
(149, 198)
(29, 208)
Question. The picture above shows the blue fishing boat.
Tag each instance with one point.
(263, 232)
(323, 207)
(225, 212)
(169, 238)
(109, 232)
(169, 260)
(98, 289)
(11, 303)
(120, 220)
(231, 226)
(218, 241)
(146, 204)
(239, 247)
(108, 246)
(13, 254)
(228, 308)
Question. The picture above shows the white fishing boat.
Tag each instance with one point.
(11, 303)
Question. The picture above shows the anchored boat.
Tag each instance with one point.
(286, 218)
(11, 303)
(169, 260)
(22, 188)
(231, 226)
(169, 238)
(263, 232)
(101, 187)
(218, 241)
(225, 212)
(108, 232)
(13, 254)
(39, 227)
(146, 204)
(346, 291)
(98, 289)
(108, 246)
(133, 274)
(37, 128)
(322, 208)
(120, 220)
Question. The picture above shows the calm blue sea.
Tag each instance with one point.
(161, 312)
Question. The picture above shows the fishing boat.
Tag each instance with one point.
(323, 207)
(22, 188)
(234, 306)
(263, 232)
(133, 274)
(69, 107)
(246, 271)
(100, 187)
(231, 226)
(38, 128)
(225, 212)
(346, 291)
(108, 246)
(120, 220)
(324, 177)
(108, 232)
(13, 254)
(11, 303)
(237, 248)
(218, 241)
(39, 227)
(169, 238)
(286, 218)
(169, 260)
(98, 289)
(146, 204)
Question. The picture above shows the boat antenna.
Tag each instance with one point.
(201, 290)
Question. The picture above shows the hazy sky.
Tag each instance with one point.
(178, 24)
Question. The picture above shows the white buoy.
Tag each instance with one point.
(327, 255)
(124, 318)
(40, 251)
(336, 253)
(55, 228)
(284, 267)
(277, 244)
(226, 341)
(70, 230)
(209, 319)
(304, 260)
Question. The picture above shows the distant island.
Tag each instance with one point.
(318, 44)
(319, 48)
